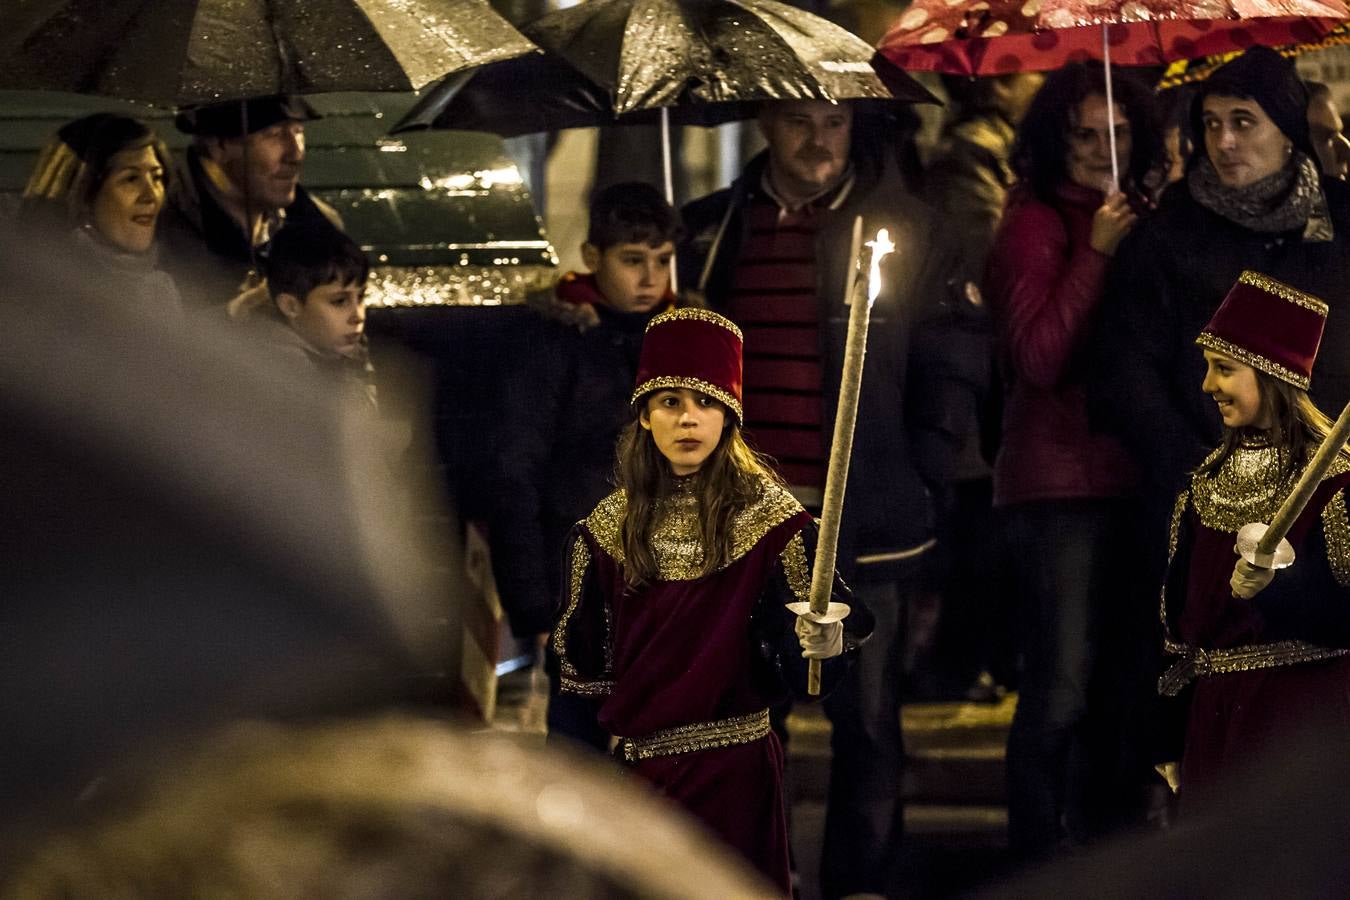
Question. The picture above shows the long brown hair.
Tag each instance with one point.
(1297, 426)
(730, 479)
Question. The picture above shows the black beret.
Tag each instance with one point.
(1263, 75)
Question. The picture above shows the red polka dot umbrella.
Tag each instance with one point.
(996, 37)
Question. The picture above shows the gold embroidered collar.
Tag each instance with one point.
(1248, 487)
(677, 539)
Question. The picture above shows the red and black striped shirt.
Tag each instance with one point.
(773, 300)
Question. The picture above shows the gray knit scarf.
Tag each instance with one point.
(1289, 199)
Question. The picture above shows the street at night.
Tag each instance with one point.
(826, 449)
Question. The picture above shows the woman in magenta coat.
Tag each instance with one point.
(1062, 487)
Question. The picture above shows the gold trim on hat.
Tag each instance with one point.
(697, 314)
(1284, 292)
(667, 382)
(1213, 342)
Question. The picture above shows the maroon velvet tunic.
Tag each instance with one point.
(687, 650)
(1235, 718)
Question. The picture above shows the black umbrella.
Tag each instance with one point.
(186, 52)
(525, 95)
(687, 62)
(542, 92)
(662, 53)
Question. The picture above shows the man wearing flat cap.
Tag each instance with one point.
(237, 184)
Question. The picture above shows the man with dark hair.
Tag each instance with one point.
(567, 399)
(1324, 122)
(236, 186)
(772, 252)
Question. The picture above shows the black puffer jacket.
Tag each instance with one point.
(566, 400)
(927, 351)
(1165, 283)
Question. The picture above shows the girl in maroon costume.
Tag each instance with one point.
(673, 616)
(1259, 654)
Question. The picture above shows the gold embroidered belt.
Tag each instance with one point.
(1197, 663)
(692, 738)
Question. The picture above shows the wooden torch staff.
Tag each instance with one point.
(1265, 546)
(841, 447)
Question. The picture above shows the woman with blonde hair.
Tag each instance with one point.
(674, 617)
(98, 188)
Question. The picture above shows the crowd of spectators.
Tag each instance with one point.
(1031, 404)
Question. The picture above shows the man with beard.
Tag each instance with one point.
(237, 184)
(772, 252)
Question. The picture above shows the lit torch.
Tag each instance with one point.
(841, 448)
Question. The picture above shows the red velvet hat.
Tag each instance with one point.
(1269, 326)
(692, 348)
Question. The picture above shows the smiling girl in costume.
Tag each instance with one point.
(673, 616)
(1258, 654)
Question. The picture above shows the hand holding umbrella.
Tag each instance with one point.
(998, 37)
(667, 62)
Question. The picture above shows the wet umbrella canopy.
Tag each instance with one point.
(653, 53)
(524, 95)
(185, 52)
(622, 62)
(1002, 36)
(971, 37)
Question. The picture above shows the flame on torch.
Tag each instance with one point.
(881, 248)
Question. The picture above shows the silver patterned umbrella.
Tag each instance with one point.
(176, 53)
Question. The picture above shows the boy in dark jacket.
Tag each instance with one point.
(312, 305)
(568, 395)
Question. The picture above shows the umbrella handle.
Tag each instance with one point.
(670, 182)
(1110, 107)
(665, 156)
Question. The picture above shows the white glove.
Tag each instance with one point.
(819, 641)
(1249, 580)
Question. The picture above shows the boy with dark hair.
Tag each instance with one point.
(312, 303)
(630, 242)
(568, 396)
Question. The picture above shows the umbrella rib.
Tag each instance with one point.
(375, 29)
(821, 88)
(89, 82)
(285, 63)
